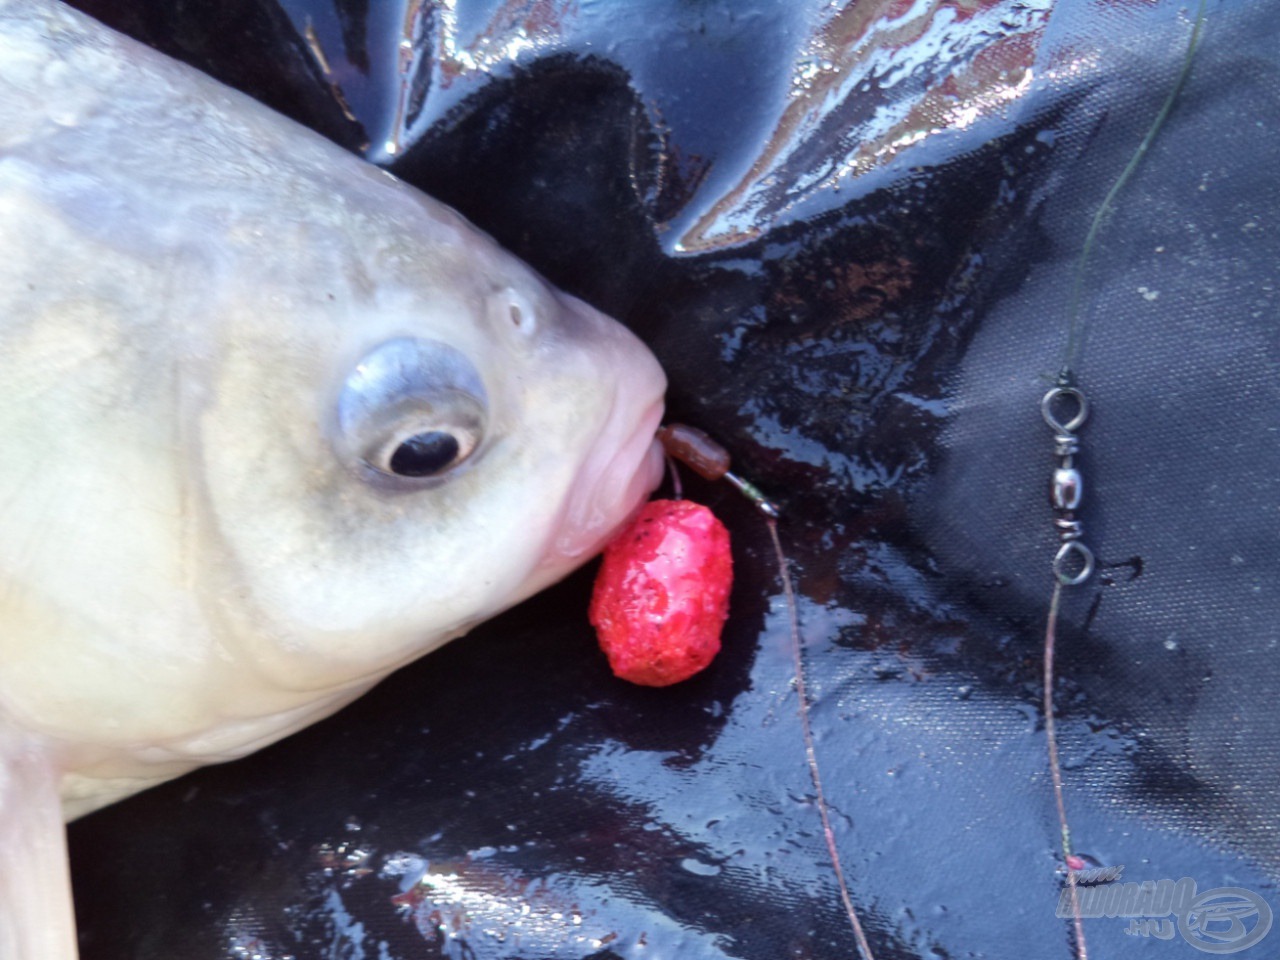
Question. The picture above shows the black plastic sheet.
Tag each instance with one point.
(850, 233)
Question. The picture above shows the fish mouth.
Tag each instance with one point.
(612, 487)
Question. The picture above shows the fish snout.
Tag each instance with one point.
(623, 465)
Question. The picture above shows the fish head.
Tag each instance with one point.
(435, 436)
(274, 422)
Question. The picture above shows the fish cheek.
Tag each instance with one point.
(340, 578)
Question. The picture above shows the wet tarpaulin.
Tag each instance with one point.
(850, 231)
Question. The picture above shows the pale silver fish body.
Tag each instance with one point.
(214, 326)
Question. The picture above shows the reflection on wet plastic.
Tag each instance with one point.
(855, 88)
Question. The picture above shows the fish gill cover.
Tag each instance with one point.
(850, 232)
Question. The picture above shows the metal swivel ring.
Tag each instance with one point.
(1085, 556)
(1076, 422)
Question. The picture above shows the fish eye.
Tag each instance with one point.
(412, 410)
(424, 454)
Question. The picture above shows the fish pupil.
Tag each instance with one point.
(424, 454)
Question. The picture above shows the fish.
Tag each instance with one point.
(272, 424)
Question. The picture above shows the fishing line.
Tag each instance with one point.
(1071, 350)
(710, 460)
(1055, 771)
(1065, 409)
(810, 753)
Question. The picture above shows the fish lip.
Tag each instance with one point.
(615, 490)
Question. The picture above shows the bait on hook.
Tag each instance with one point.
(662, 594)
(661, 599)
